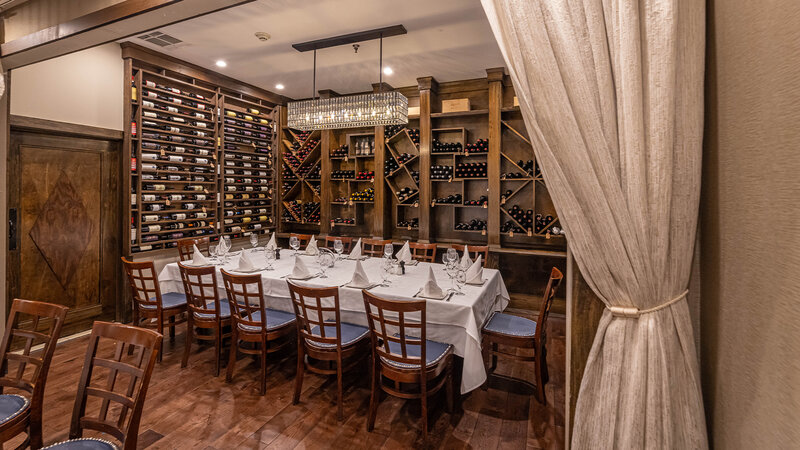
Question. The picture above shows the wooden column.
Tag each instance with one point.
(495, 78)
(325, 152)
(428, 87)
(282, 122)
(382, 217)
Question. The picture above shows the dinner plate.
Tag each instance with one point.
(367, 288)
(419, 295)
(290, 277)
(191, 264)
(483, 281)
(258, 269)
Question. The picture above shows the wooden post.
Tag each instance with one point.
(428, 87)
(325, 195)
(495, 78)
(381, 222)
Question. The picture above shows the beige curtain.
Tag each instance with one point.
(612, 95)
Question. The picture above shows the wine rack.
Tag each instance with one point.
(301, 177)
(199, 154)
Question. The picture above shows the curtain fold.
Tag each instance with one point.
(612, 96)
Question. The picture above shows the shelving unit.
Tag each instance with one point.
(201, 159)
(300, 179)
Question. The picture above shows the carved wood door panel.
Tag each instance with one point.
(68, 229)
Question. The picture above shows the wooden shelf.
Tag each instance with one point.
(474, 112)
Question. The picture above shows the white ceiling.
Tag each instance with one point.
(447, 39)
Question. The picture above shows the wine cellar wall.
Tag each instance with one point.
(201, 158)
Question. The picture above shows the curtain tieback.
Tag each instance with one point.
(633, 312)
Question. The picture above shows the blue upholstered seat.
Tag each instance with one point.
(83, 444)
(224, 310)
(168, 300)
(434, 352)
(351, 334)
(275, 319)
(511, 325)
(12, 405)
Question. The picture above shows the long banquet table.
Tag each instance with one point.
(457, 321)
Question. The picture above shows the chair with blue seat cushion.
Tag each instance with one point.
(186, 247)
(324, 338)
(520, 332)
(30, 324)
(206, 311)
(151, 308)
(409, 358)
(117, 384)
(253, 322)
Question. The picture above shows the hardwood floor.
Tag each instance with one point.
(190, 408)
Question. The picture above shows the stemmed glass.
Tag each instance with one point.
(294, 242)
(222, 250)
(386, 274)
(269, 254)
(460, 279)
(452, 255)
(388, 251)
(254, 240)
(338, 247)
(325, 260)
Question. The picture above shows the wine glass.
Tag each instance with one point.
(386, 274)
(338, 247)
(269, 254)
(294, 242)
(325, 260)
(446, 260)
(452, 255)
(254, 240)
(388, 251)
(222, 250)
(460, 279)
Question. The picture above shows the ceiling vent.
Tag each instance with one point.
(160, 39)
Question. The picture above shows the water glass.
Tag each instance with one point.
(294, 242)
(269, 254)
(452, 255)
(460, 280)
(388, 251)
(254, 240)
(338, 247)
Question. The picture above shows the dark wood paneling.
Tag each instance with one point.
(45, 126)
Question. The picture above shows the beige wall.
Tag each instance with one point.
(751, 225)
(35, 15)
(84, 88)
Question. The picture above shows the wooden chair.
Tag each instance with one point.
(120, 386)
(474, 250)
(398, 357)
(519, 332)
(21, 414)
(206, 310)
(423, 252)
(347, 243)
(186, 247)
(151, 308)
(253, 322)
(303, 238)
(374, 247)
(322, 336)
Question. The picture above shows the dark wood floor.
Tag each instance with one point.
(190, 408)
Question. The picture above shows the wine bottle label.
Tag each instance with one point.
(174, 177)
(158, 187)
(200, 197)
(173, 109)
(148, 176)
(150, 218)
(149, 156)
(151, 94)
(201, 215)
(179, 119)
(201, 160)
(148, 197)
(179, 216)
(176, 158)
(149, 114)
(228, 221)
(202, 152)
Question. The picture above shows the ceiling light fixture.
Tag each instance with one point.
(221, 63)
(387, 71)
(279, 86)
(352, 111)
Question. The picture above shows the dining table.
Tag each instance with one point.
(456, 319)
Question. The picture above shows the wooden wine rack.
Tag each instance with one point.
(201, 155)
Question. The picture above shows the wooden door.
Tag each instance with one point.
(65, 246)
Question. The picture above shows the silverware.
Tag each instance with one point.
(449, 296)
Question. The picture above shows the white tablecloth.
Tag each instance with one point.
(457, 322)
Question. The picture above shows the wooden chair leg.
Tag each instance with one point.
(494, 357)
(449, 386)
(172, 328)
(301, 366)
(263, 367)
(136, 324)
(232, 357)
(188, 345)
(485, 354)
(340, 406)
(35, 433)
(540, 396)
(424, 400)
(160, 321)
(373, 397)
(217, 349)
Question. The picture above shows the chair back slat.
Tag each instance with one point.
(246, 298)
(347, 242)
(200, 286)
(143, 282)
(423, 252)
(121, 395)
(303, 238)
(547, 301)
(311, 311)
(374, 247)
(411, 331)
(186, 247)
(474, 250)
(35, 323)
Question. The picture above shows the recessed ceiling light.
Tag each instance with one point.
(221, 63)
(388, 70)
(279, 86)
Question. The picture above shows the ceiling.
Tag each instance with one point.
(447, 39)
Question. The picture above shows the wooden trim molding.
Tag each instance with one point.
(23, 123)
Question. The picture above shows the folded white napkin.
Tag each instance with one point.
(245, 265)
(198, 259)
(356, 252)
(360, 279)
(271, 245)
(404, 254)
(474, 274)
(430, 289)
(300, 270)
(465, 261)
(311, 248)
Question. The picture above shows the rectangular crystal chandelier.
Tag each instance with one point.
(353, 111)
